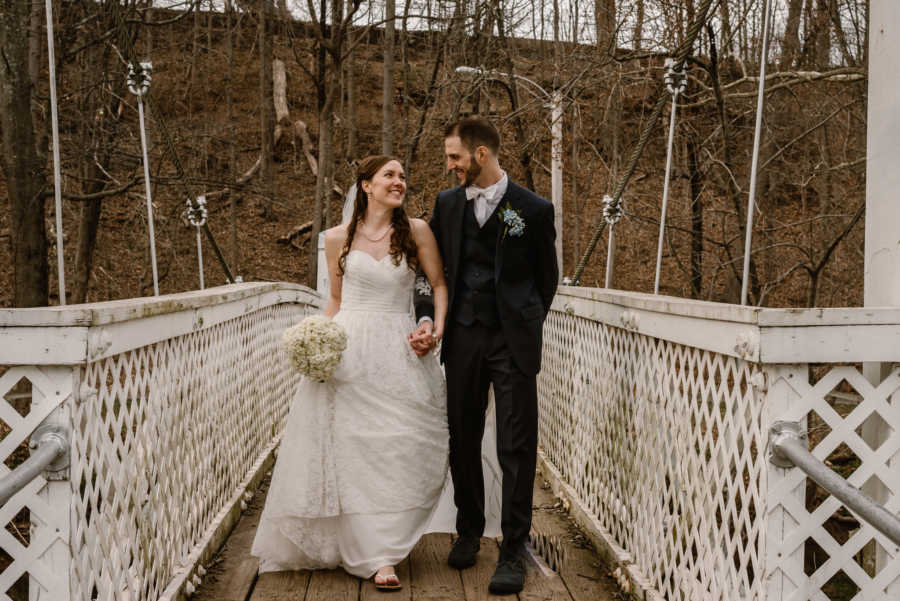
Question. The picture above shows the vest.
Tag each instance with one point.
(476, 298)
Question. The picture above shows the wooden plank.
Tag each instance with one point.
(476, 579)
(368, 592)
(332, 585)
(238, 581)
(585, 575)
(432, 578)
(543, 584)
(281, 586)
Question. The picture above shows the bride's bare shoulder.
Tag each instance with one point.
(418, 226)
(336, 234)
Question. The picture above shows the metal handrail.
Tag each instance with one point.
(50, 450)
(788, 446)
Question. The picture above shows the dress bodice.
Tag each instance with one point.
(376, 285)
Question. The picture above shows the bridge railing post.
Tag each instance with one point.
(784, 489)
(36, 540)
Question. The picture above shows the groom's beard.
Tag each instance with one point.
(472, 173)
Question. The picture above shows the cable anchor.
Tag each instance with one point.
(675, 80)
(139, 80)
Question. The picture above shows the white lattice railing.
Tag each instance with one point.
(174, 404)
(655, 414)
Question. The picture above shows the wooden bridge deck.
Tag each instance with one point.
(580, 574)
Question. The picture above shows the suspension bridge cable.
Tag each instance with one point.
(128, 52)
(681, 54)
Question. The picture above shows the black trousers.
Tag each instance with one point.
(477, 356)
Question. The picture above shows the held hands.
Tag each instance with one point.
(424, 338)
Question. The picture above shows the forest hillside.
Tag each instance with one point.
(265, 115)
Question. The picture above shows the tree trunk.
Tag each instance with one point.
(822, 33)
(34, 42)
(524, 153)
(696, 184)
(605, 22)
(19, 159)
(229, 118)
(638, 24)
(88, 224)
(352, 125)
(727, 43)
(791, 43)
(405, 72)
(387, 118)
(267, 110)
(195, 58)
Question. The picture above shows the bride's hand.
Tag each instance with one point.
(421, 341)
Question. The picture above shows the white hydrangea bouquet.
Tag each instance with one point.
(314, 346)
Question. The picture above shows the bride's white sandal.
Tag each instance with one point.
(387, 582)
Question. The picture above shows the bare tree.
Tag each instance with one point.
(605, 22)
(387, 117)
(266, 107)
(791, 43)
(331, 54)
(19, 158)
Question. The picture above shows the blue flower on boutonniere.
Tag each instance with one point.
(515, 224)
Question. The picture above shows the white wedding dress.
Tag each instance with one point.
(362, 470)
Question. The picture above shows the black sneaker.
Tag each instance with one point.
(463, 554)
(509, 577)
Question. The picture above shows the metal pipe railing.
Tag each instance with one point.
(50, 449)
(788, 447)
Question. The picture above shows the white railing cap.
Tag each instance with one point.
(77, 334)
(850, 334)
(92, 314)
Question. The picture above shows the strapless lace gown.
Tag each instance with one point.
(362, 470)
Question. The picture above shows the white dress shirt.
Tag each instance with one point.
(486, 199)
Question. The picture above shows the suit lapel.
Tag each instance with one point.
(510, 197)
(455, 224)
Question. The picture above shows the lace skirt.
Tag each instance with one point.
(363, 458)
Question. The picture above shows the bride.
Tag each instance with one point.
(363, 458)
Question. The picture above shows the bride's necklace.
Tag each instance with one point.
(379, 238)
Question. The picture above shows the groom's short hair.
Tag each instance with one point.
(474, 132)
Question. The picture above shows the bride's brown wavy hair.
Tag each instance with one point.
(402, 243)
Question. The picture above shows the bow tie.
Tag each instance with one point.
(473, 192)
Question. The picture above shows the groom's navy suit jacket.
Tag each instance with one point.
(525, 269)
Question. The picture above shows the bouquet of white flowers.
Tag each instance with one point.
(314, 346)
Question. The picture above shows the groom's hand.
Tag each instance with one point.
(421, 340)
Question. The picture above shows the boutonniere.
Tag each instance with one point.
(515, 223)
(422, 286)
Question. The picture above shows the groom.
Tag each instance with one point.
(497, 242)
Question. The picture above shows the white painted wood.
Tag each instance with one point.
(28, 345)
(830, 344)
(179, 405)
(656, 441)
(767, 335)
(783, 563)
(47, 558)
(139, 308)
(110, 328)
(882, 243)
(715, 335)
